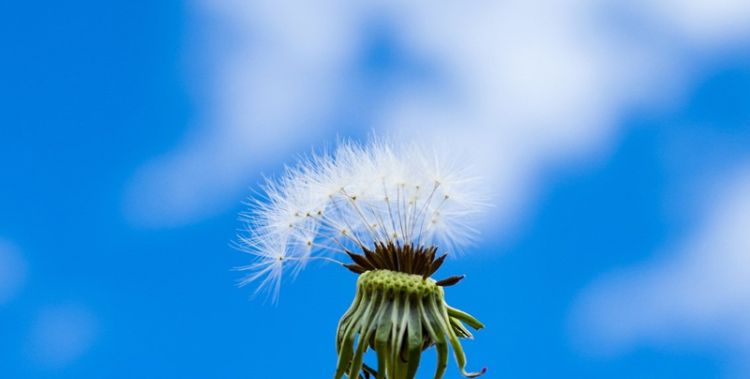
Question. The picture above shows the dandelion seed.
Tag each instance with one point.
(388, 210)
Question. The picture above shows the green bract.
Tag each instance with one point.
(399, 315)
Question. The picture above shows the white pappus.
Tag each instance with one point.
(355, 197)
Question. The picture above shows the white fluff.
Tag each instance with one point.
(355, 197)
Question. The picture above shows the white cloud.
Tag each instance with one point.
(702, 22)
(61, 334)
(12, 272)
(520, 84)
(268, 94)
(698, 290)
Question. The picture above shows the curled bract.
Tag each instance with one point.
(399, 315)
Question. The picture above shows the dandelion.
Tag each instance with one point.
(386, 213)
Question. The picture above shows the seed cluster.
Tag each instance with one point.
(409, 259)
(397, 283)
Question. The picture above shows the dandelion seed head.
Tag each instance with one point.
(354, 197)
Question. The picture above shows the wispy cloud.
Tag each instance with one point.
(518, 84)
(698, 22)
(61, 334)
(12, 271)
(699, 289)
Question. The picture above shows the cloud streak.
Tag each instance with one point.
(61, 334)
(699, 289)
(520, 85)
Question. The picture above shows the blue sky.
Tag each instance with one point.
(130, 134)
